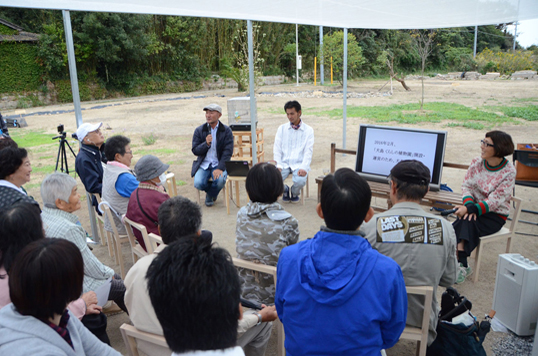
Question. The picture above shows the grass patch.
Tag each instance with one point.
(179, 183)
(524, 100)
(433, 112)
(529, 113)
(149, 139)
(49, 168)
(32, 186)
(156, 152)
(30, 138)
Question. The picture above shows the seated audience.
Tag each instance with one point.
(15, 170)
(487, 189)
(6, 142)
(91, 157)
(263, 229)
(145, 201)
(180, 219)
(37, 322)
(428, 258)
(61, 200)
(119, 181)
(336, 295)
(196, 320)
(20, 225)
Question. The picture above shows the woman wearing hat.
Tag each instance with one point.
(147, 198)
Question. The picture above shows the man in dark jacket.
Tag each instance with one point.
(88, 163)
(213, 143)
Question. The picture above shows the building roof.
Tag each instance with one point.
(21, 36)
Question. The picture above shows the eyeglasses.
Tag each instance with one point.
(487, 144)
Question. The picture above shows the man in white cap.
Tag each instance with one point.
(213, 143)
(88, 163)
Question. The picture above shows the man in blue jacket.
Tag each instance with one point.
(88, 162)
(336, 295)
(213, 143)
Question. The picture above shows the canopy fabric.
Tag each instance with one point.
(377, 14)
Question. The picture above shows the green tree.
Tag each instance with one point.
(333, 46)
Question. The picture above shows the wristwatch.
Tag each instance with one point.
(259, 318)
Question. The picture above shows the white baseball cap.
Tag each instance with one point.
(85, 129)
(213, 107)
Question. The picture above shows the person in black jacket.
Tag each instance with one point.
(88, 162)
(4, 133)
(213, 143)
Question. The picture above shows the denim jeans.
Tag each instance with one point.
(298, 182)
(201, 181)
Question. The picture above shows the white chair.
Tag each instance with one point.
(420, 335)
(503, 233)
(136, 248)
(131, 337)
(302, 197)
(171, 184)
(115, 238)
(259, 267)
(101, 224)
(154, 241)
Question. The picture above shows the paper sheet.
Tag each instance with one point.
(102, 292)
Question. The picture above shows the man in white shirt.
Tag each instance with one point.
(294, 144)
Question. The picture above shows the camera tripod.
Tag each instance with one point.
(62, 152)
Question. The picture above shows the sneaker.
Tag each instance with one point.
(209, 200)
(294, 199)
(463, 272)
(286, 195)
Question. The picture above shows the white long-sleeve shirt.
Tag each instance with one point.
(293, 148)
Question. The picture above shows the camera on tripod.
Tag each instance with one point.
(62, 153)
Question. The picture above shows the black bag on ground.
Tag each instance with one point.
(457, 339)
(96, 324)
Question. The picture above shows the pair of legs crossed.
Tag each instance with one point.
(298, 181)
(201, 181)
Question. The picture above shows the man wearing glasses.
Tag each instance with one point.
(91, 158)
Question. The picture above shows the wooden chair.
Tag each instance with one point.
(101, 224)
(420, 335)
(269, 270)
(171, 184)
(132, 335)
(223, 191)
(503, 233)
(302, 189)
(115, 238)
(154, 241)
(136, 249)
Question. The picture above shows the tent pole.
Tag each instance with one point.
(321, 55)
(253, 113)
(475, 37)
(345, 88)
(297, 52)
(76, 101)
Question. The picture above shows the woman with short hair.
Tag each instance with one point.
(487, 190)
(15, 170)
(263, 229)
(119, 180)
(61, 200)
(37, 322)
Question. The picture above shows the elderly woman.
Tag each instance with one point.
(487, 190)
(61, 200)
(20, 225)
(37, 322)
(263, 229)
(119, 181)
(15, 169)
(145, 201)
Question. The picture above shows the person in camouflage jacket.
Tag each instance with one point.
(263, 229)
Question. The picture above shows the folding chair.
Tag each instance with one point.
(503, 233)
(115, 237)
(137, 250)
(132, 336)
(269, 270)
(420, 335)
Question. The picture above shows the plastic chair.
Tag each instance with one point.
(503, 233)
(136, 249)
(115, 238)
(420, 335)
(131, 337)
(259, 267)
(105, 239)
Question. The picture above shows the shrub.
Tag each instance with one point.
(505, 62)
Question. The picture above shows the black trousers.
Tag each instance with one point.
(471, 231)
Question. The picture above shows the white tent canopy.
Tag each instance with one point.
(378, 14)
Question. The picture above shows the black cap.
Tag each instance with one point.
(411, 171)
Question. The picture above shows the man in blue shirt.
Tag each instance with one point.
(335, 294)
(213, 143)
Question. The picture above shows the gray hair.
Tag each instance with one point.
(56, 186)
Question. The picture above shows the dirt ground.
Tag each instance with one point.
(172, 121)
